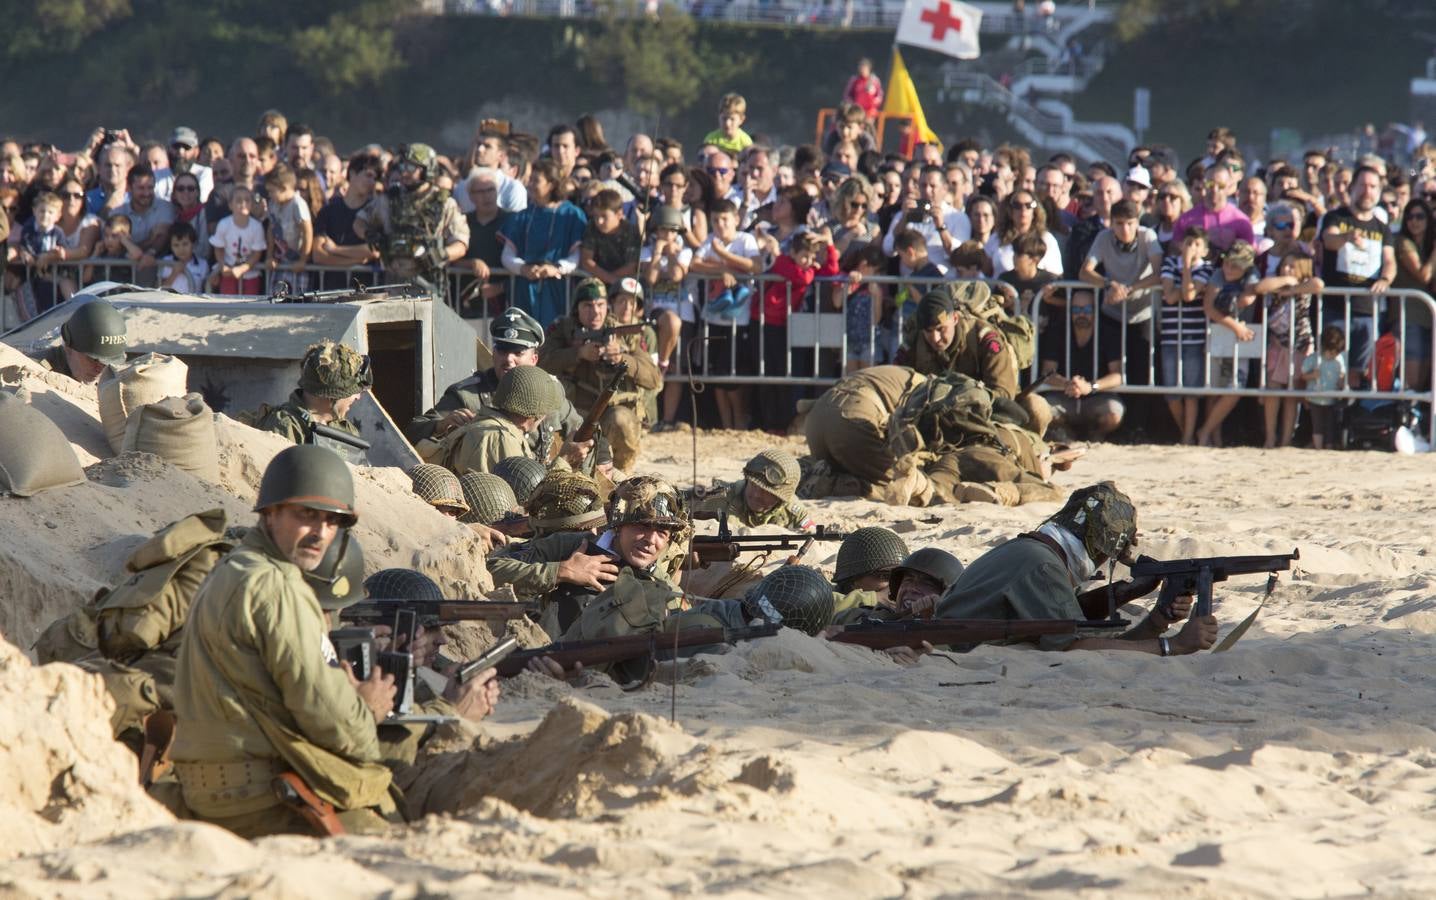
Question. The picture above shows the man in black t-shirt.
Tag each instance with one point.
(1091, 366)
(1359, 255)
(335, 243)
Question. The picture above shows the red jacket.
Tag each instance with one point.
(777, 301)
(867, 93)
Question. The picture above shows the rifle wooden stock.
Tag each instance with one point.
(381, 612)
(912, 633)
(1095, 601)
(802, 552)
(620, 649)
(295, 794)
(600, 406)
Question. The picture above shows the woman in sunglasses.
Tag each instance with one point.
(81, 229)
(1416, 270)
(1022, 214)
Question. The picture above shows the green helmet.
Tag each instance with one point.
(528, 391)
(338, 580)
(402, 584)
(589, 289)
(775, 471)
(488, 496)
(312, 476)
(421, 156)
(334, 370)
(800, 595)
(438, 487)
(934, 562)
(646, 500)
(868, 550)
(1103, 519)
(522, 474)
(565, 501)
(97, 330)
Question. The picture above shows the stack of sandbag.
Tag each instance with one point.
(147, 407)
(143, 380)
(35, 455)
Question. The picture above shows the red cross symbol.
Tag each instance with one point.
(941, 19)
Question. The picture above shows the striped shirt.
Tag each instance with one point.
(1184, 323)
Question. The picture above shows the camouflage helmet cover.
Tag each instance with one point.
(775, 471)
(1102, 518)
(868, 550)
(522, 474)
(334, 370)
(488, 496)
(421, 155)
(402, 584)
(437, 486)
(647, 500)
(799, 594)
(565, 501)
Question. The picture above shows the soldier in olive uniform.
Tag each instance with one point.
(515, 338)
(947, 339)
(585, 366)
(525, 396)
(764, 496)
(331, 378)
(416, 226)
(91, 340)
(646, 519)
(563, 512)
(866, 559)
(915, 586)
(847, 426)
(254, 691)
(1038, 575)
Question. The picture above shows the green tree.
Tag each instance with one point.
(353, 49)
(656, 61)
(34, 27)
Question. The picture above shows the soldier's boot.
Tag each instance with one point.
(1039, 412)
(1000, 493)
(624, 431)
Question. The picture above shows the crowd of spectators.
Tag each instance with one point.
(1126, 269)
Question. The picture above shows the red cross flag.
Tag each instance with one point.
(946, 26)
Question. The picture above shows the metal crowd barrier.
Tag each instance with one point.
(814, 349)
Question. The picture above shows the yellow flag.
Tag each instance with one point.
(902, 101)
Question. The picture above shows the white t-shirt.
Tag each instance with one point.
(1001, 255)
(668, 295)
(746, 246)
(233, 243)
(957, 225)
(72, 241)
(191, 280)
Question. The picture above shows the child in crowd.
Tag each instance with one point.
(729, 136)
(1326, 372)
(1025, 278)
(611, 246)
(1183, 326)
(1227, 299)
(41, 247)
(871, 337)
(114, 243)
(809, 254)
(1287, 347)
(239, 245)
(664, 265)
(291, 226)
(726, 259)
(183, 270)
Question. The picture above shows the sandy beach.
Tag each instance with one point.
(1301, 763)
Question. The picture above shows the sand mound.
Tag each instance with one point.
(64, 779)
(580, 761)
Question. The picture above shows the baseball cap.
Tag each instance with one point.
(184, 136)
(629, 285)
(837, 169)
(1162, 156)
(1139, 175)
(516, 330)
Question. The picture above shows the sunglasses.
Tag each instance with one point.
(1416, 217)
(1018, 204)
(1085, 310)
(1175, 198)
(180, 147)
(72, 195)
(187, 188)
(719, 170)
(1280, 226)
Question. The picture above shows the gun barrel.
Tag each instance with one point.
(884, 635)
(1221, 566)
(443, 611)
(619, 649)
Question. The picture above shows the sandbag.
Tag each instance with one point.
(144, 380)
(179, 430)
(35, 455)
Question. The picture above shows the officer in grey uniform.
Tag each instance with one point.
(515, 338)
(91, 341)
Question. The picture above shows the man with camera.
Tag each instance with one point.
(928, 212)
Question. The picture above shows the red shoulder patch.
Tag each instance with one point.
(992, 346)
